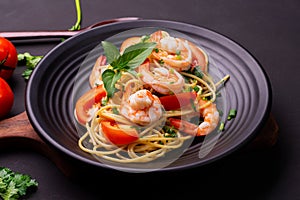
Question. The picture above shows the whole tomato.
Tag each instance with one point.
(8, 58)
(6, 98)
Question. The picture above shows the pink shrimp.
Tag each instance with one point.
(141, 107)
(172, 51)
(178, 52)
(211, 118)
(162, 79)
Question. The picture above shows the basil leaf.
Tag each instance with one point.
(137, 53)
(133, 56)
(111, 51)
(109, 78)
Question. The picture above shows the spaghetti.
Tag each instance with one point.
(141, 121)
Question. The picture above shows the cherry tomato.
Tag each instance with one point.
(119, 134)
(8, 58)
(86, 102)
(176, 101)
(6, 98)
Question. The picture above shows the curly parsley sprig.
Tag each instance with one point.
(30, 61)
(14, 185)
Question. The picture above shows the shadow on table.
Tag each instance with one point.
(243, 175)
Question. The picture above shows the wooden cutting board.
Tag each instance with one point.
(17, 132)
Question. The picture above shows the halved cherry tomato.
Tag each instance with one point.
(8, 58)
(6, 98)
(119, 134)
(86, 102)
(176, 101)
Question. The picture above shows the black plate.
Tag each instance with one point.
(62, 76)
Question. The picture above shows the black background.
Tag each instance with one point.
(268, 29)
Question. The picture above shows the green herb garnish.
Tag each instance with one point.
(132, 57)
(196, 89)
(161, 61)
(14, 185)
(30, 61)
(196, 71)
(222, 126)
(115, 110)
(232, 114)
(145, 38)
(169, 132)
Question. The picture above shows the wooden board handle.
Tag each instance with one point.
(267, 137)
(18, 126)
(17, 132)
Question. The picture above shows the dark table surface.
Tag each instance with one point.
(269, 30)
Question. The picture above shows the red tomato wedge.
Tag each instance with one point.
(119, 134)
(176, 101)
(86, 102)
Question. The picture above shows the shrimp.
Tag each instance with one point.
(174, 52)
(162, 79)
(128, 42)
(211, 118)
(141, 107)
(177, 52)
(200, 58)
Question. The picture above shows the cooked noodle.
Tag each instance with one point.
(154, 141)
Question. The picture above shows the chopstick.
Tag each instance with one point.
(32, 35)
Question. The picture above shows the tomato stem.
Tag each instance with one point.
(4, 60)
